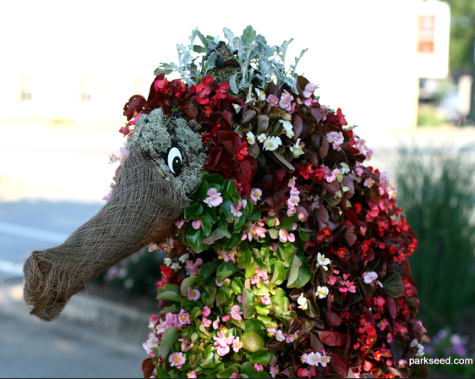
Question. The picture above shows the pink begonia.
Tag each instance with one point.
(220, 284)
(206, 322)
(107, 197)
(271, 331)
(239, 298)
(227, 256)
(313, 359)
(273, 247)
(284, 236)
(152, 341)
(368, 182)
(214, 198)
(363, 230)
(179, 223)
(256, 194)
(309, 88)
(236, 211)
(402, 363)
(236, 313)
(382, 324)
(124, 153)
(293, 201)
(193, 294)
(152, 247)
(234, 375)
(184, 317)
(280, 336)
(177, 360)
(192, 267)
(390, 338)
(216, 323)
(325, 360)
(258, 367)
(336, 139)
(237, 344)
(272, 100)
(196, 224)
(265, 300)
(161, 326)
(222, 343)
(172, 320)
(225, 318)
(332, 279)
(273, 371)
(185, 344)
(112, 158)
(191, 374)
(286, 101)
(206, 311)
(256, 232)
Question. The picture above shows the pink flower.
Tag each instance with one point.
(332, 279)
(179, 225)
(265, 300)
(284, 236)
(234, 375)
(214, 198)
(239, 298)
(286, 101)
(237, 344)
(336, 139)
(177, 360)
(184, 318)
(196, 224)
(236, 313)
(206, 322)
(236, 211)
(273, 371)
(191, 374)
(273, 247)
(379, 301)
(368, 182)
(272, 100)
(309, 88)
(152, 247)
(271, 331)
(313, 359)
(383, 324)
(258, 367)
(256, 194)
(225, 318)
(256, 232)
(124, 153)
(206, 311)
(370, 277)
(193, 294)
(216, 323)
(222, 350)
(112, 158)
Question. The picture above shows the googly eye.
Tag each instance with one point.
(175, 161)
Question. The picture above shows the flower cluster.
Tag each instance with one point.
(297, 253)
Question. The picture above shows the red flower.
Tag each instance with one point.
(243, 152)
(318, 173)
(160, 85)
(207, 110)
(341, 117)
(202, 101)
(358, 208)
(208, 80)
(341, 252)
(202, 90)
(306, 170)
(125, 131)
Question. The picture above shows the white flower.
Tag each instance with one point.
(279, 336)
(175, 266)
(345, 169)
(345, 189)
(261, 138)
(237, 108)
(287, 125)
(297, 148)
(272, 143)
(249, 97)
(322, 292)
(112, 158)
(251, 139)
(369, 277)
(184, 258)
(261, 95)
(322, 261)
(167, 261)
(338, 195)
(289, 133)
(302, 301)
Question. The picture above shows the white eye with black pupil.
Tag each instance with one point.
(175, 161)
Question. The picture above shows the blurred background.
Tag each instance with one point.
(401, 70)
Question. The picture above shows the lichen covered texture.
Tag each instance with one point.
(291, 260)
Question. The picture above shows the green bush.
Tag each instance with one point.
(428, 116)
(436, 191)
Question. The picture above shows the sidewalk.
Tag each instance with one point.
(94, 337)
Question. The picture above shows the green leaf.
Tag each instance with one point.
(223, 232)
(225, 270)
(262, 309)
(273, 233)
(206, 225)
(286, 252)
(200, 50)
(287, 224)
(393, 285)
(211, 213)
(168, 339)
(214, 179)
(248, 35)
(305, 234)
(299, 273)
(261, 356)
(251, 341)
(223, 297)
(194, 238)
(245, 260)
(201, 192)
(187, 282)
(168, 287)
(229, 190)
(248, 303)
(226, 207)
(227, 373)
(207, 269)
(161, 373)
(256, 215)
(170, 295)
(193, 211)
(196, 312)
(278, 276)
(237, 286)
(235, 239)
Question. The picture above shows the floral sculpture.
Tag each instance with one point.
(290, 259)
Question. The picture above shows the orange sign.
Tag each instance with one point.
(425, 37)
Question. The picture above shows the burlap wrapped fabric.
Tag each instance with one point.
(143, 208)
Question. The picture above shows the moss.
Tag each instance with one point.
(156, 134)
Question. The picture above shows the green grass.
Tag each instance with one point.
(436, 191)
